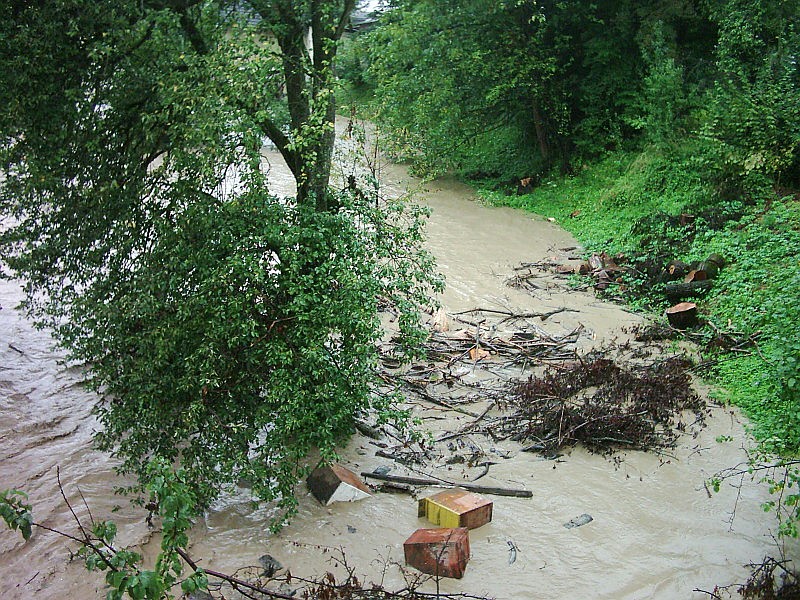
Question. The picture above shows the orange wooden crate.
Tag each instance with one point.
(442, 552)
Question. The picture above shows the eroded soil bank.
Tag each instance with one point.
(656, 532)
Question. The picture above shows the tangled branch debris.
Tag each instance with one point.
(711, 339)
(526, 344)
(602, 406)
(595, 400)
(348, 586)
(771, 580)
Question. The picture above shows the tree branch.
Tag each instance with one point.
(344, 19)
(234, 581)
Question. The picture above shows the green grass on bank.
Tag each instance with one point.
(632, 202)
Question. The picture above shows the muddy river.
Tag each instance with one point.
(656, 532)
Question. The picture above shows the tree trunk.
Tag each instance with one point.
(309, 75)
(541, 136)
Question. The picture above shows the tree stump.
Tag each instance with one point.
(683, 315)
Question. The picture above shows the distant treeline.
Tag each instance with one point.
(514, 88)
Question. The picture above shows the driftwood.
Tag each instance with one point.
(481, 489)
(601, 406)
(529, 342)
(512, 316)
(367, 430)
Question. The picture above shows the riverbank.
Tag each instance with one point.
(653, 207)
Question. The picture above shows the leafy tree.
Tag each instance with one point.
(514, 88)
(752, 120)
(462, 84)
(227, 328)
(170, 497)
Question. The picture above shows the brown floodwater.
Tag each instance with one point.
(656, 533)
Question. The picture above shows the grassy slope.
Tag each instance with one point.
(759, 290)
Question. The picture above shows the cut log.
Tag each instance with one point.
(683, 315)
(697, 274)
(710, 268)
(717, 259)
(677, 269)
(679, 289)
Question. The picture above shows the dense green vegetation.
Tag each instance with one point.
(513, 89)
(624, 116)
(228, 329)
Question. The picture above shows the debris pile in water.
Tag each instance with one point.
(764, 583)
(247, 582)
(601, 405)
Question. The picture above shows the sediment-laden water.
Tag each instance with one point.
(655, 533)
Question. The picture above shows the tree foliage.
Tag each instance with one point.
(752, 120)
(227, 328)
(513, 89)
(453, 76)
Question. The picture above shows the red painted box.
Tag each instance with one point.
(441, 552)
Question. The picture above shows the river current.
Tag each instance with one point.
(656, 530)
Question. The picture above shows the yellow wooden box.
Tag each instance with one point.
(456, 508)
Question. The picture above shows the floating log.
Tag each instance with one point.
(397, 488)
(456, 508)
(481, 489)
(679, 289)
(438, 552)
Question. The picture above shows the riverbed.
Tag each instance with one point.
(656, 531)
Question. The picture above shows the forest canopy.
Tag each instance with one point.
(512, 89)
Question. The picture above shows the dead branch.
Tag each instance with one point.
(600, 405)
